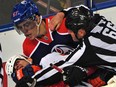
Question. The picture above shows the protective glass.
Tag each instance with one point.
(26, 25)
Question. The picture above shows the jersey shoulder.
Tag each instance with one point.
(28, 46)
(62, 28)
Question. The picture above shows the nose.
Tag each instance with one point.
(16, 67)
(24, 30)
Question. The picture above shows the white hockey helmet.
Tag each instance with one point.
(11, 61)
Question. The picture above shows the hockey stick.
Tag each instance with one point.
(32, 84)
(57, 68)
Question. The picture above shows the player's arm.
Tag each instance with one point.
(68, 76)
(57, 19)
(48, 75)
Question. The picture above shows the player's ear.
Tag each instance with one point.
(81, 32)
(37, 18)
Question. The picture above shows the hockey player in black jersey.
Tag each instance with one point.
(97, 37)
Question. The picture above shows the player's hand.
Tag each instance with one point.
(26, 82)
(73, 75)
(29, 70)
(56, 21)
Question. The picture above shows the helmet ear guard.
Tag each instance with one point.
(78, 18)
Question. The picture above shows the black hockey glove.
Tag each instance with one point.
(100, 77)
(26, 82)
(73, 75)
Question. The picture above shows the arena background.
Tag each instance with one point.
(11, 42)
(6, 7)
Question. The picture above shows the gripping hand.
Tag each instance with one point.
(73, 75)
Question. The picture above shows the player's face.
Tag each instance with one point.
(20, 63)
(30, 28)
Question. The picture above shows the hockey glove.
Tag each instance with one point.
(100, 77)
(29, 70)
(73, 75)
(26, 82)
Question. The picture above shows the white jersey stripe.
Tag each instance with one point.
(99, 43)
(107, 58)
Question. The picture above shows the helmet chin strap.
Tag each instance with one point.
(38, 25)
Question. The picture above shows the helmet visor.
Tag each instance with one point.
(24, 26)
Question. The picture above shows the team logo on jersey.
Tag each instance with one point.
(63, 49)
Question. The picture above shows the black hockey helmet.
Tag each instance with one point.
(78, 18)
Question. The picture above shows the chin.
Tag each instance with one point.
(39, 36)
(31, 38)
